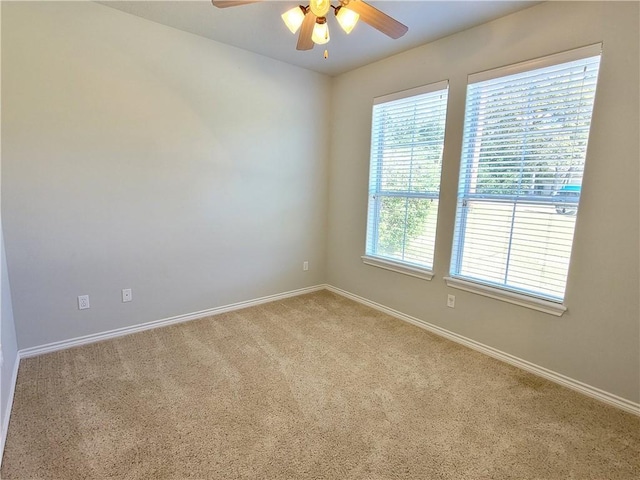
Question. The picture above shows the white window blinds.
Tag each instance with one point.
(407, 139)
(524, 148)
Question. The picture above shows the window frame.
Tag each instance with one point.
(507, 293)
(388, 263)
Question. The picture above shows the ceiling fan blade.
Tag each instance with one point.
(306, 30)
(377, 19)
(232, 3)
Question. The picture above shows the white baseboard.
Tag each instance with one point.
(583, 388)
(119, 332)
(555, 377)
(7, 413)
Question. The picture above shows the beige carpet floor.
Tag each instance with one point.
(310, 387)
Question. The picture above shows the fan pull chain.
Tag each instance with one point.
(326, 54)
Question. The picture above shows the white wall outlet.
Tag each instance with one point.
(126, 295)
(305, 266)
(83, 302)
(451, 301)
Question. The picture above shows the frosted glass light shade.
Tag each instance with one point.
(293, 19)
(320, 34)
(347, 19)
(320, 7)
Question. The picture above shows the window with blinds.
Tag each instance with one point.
(525, 141)
(407, 139)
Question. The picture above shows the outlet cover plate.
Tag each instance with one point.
(451, 301)
(83, 302)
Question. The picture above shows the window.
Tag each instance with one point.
(407, 138)
(524, 147)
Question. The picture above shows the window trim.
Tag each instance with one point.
(412, 92)
(387, 263)
(540, 62)
(531, 300)
(404, 267)
(534, 303)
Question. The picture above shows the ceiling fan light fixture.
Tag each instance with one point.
(347, 19)
(311, 20)
(293, 18)
(319, 7)
(320, 34)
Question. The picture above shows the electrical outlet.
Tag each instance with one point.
(451, 301)
(305, 266)
(83, 302)
(126, 295)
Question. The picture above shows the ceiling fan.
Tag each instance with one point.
(311, 20)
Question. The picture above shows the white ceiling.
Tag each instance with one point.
(258, 27)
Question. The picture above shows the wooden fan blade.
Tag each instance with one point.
(377, 19)
(306, 30)
(232, 3)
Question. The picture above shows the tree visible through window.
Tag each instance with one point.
(406, 160)
(524, 149)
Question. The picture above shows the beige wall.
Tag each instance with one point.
(138, 156)
(9, 350)
(597, 340)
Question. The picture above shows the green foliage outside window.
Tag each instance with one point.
(510, 163)
(417, 145)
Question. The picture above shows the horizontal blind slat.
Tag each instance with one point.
(524, 145)
(407, 138)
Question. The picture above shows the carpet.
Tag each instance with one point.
(311, 387)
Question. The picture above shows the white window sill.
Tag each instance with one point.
(398, 267)
(542, 305)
